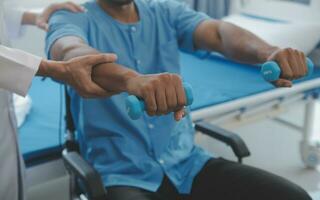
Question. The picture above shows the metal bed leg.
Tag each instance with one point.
(310, 149)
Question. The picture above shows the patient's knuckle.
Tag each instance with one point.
(147, 89)
(287, 74)
(162, 110)
(301, 54)
(181, 102)
(285, 50)
(155, 82)
(304, 71)
(176, 77)
(152, 108)
(289, 49)
(165, 77)
(171, 105)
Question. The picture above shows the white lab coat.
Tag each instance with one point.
(17, 69)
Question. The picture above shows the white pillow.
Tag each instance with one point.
(300, 35)
(22, 107)
(284, 10)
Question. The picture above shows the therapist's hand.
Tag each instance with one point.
(43, 18)
(162, 93)
(292, 63)
(77, 73)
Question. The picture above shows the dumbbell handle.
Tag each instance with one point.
(271, 70)
(135, 106)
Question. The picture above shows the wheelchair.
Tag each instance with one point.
(85, 181)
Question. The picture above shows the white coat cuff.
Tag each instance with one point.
(18, 69)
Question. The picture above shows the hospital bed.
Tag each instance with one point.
(229, 94)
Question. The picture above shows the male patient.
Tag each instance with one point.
(155, 158)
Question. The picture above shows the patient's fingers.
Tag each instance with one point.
(303, 60)
(181, 95)
(161, 100)
(292, 63)
(295, 63)
(283, 83)
(286, 71)
(171, 98)
(150, 101)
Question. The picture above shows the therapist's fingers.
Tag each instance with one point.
(67, 6)
(43, 18)
(86, 88)
(91, 90)
(79, 74)
(101, 58)
(43, 25)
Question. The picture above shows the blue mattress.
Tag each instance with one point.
(215, 80)
(42, 126)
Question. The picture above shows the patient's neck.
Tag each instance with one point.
(123, 13)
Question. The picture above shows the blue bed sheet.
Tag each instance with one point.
(214, 80)
(42, 125)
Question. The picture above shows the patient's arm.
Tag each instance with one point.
(110, 76)
(241, 45)
(162, 93)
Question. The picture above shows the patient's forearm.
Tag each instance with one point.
(110, 76)
(234, 42)
(113, 77)
(244, 46)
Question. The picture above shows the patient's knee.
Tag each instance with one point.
(300, 194)
(293, 192)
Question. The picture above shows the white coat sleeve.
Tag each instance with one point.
(17, 69)
(13, 19)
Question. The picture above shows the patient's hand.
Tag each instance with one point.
(292, 63)
(162, 93)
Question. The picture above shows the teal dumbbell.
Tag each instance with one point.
(135, 106)
(271, 70)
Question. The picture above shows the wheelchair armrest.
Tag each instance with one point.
(238, 146)
(91, 178)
